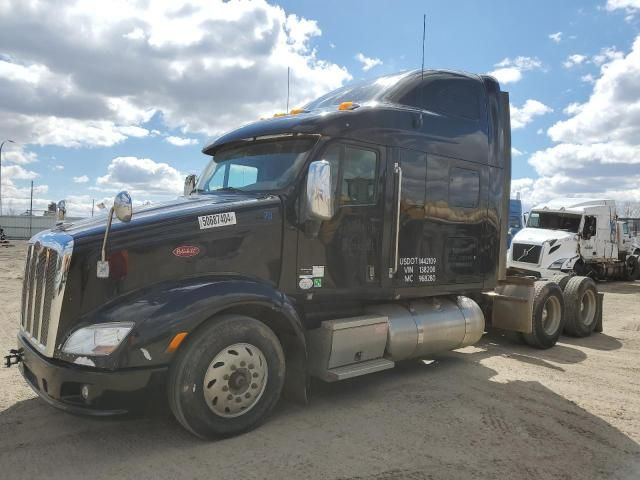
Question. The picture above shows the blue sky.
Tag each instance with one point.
(99, 108)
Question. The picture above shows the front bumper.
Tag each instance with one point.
(110, 392)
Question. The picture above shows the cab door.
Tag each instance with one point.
(344, 253)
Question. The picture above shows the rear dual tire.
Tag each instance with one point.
(227, 377)
(580, 306)
(548, 315)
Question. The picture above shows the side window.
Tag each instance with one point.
(464, 188)
(353, 174)
(589, 229)
(625, 228)
(359, 169)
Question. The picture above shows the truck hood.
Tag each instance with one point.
(537, 236)
(170, 211)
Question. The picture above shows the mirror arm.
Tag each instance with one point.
(106, 235)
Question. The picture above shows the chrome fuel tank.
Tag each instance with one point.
(423, 327)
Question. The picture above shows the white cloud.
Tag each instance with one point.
(597, 151)
(58, 167)
(81, 179)
(588, 78)
(522, 116)
(612, 113)
(367, 62)
(510, 70)
(92, 73)
(13, 153)
(16, 172)
(141, 176)
(515, 152)
(627, 5)
(606, 55)
(573, 60)
(180, 141)
(555, 37)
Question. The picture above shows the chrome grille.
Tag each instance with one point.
(526, 253)
(43, 287)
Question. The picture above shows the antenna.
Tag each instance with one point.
(424, 34)
(288, 82)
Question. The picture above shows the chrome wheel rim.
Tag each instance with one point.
(551, 315)
(587, 307)
(235, 380)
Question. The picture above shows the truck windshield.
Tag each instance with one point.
(257, 166)
(554, 221)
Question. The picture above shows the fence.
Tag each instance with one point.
(22, 227)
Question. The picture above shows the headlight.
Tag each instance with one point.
(97, 340)
(557, 265)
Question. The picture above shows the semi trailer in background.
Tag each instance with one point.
(576, 236)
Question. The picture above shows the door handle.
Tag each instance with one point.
(397, 170)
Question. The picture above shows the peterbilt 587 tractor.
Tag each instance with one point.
(367, 228)
(576, 235)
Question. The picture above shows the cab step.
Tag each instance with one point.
(357, 369)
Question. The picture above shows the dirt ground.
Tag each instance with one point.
(498, 410)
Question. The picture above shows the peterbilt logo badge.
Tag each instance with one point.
(186, 251)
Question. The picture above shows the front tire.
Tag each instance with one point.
(632, 268)
(581, 306)
(548, 315)
(227, 377)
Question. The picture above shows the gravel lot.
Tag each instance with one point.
(496, 410)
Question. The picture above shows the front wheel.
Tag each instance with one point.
(227, 377)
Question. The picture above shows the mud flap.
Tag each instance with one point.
(512, 304)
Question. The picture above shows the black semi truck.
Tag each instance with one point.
(366, 228)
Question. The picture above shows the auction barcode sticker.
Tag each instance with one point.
(217, 220)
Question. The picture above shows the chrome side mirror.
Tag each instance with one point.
(62, 210)
(189, 184)
(122, 207)
(319, 196)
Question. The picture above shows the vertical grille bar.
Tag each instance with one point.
(50, 277)
(25, 288)
(41, 265)
(32, 280)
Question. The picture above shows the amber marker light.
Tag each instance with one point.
(345, 106)
(176, 341)
(297, 111)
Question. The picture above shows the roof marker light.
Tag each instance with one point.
(297, 111)
(280, 114)
(348, 106)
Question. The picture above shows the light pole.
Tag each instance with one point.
(2, 145)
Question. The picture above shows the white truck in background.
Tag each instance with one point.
(576, 236)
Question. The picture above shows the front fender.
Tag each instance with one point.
(165, 309)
